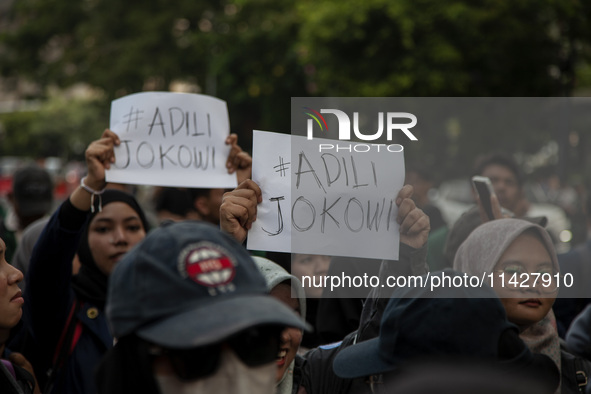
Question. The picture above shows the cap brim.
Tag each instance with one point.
(361, 359)
(218, 320)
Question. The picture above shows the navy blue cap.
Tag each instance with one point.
(187, 284)
(418, 323)
(33, 189)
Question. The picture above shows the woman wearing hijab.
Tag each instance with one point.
(288, 289)
(516, 252)
(64, 314)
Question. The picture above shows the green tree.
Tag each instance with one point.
(117, 46)
(59, 127)
(242, 52)
(255, 63)
(468, 48)
(441, 48)
(257, 54)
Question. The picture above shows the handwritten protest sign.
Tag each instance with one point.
(171, 139)
(322, 200)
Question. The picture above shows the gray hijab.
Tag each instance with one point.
(275, 274)
(481, 251)
(483, 248)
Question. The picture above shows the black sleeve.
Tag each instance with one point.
(317, 374)
(339, 309)
(412, 262)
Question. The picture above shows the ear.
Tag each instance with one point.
(202, 206)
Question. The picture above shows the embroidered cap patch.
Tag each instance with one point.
(207, 264)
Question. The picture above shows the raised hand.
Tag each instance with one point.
(414, 223)
(238, 161)
(239, 209)
(100, 155)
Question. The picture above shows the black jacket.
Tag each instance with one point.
(317, 374)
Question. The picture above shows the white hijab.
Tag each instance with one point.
(275, 274)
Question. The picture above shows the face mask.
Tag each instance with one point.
(232, 376)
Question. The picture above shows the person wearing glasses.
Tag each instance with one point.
(191, 314)
(517, 258)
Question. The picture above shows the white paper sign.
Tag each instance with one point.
(171, 139)
(329, 201)
(271, 170)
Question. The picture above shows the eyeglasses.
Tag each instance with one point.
(254, 347)
(382, 383)
(375, 383)
(517, 277)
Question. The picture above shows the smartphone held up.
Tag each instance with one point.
(483, 187)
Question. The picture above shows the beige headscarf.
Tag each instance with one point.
(481, 251)
(275, 274)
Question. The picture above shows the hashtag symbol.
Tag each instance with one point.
(282, 167)
(132, 116)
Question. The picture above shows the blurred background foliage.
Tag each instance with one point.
(63, 61)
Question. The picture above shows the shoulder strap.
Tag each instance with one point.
(581, 375)
(9, 367)
(575, 367)
(8, 381)
(68, 339)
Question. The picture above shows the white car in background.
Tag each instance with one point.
(454, 197)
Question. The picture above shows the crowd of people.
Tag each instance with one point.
(100, 296)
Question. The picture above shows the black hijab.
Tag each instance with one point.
(90, 284)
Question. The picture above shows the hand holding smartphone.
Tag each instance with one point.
(484, 189)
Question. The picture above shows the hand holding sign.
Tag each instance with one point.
(238, 160)
(239, 209)
(414, 223)
(99, 157)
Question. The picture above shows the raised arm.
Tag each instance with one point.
(49, 296)
(99, 157)
(412, 260)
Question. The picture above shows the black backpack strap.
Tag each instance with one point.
(8, 381)
(581, 375)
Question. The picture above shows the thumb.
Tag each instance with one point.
(17, 359)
